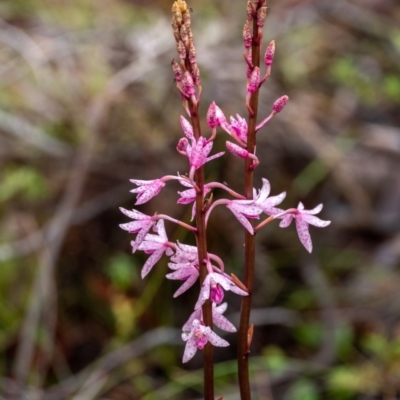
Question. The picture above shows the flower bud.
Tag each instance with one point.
(249, 11)
(237, 150)
(177, 71)
(196, 75)
(261, 16)
(280, 104)
(188, 85)
(182, 145)
(249, 69)
(247, 36)
(254, 83)
(184, 35)
(175, 29)
(211, 117)
(186, 127)
(180, 47)
(192, 53)
(269, 54)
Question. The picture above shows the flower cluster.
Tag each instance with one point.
(184, 260)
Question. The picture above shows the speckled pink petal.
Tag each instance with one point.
(242, 219)
(312, 220)
(274, 200)
(220, 309)
(315, 210)
(132, 227)
(222, 323)
(304, 234)
(286, 221)
(235, 289)
(214, 339)
(221, 153)
(141, 235)
(190, 350)
(151, 261)
(188, 324)
(204, 293)
(190, 281)
(134, 214)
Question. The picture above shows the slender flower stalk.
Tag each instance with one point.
(189, 264)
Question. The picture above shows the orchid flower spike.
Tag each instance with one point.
(303, 219)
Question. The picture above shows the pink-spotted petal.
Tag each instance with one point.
(304, 234)
(132, 227)
(214, 339)
(222, 323)
(286, 221)
(221, 153)
(134, 214)
(151, 261)
(242, 219)
(312, 220)
(190, 350)
(315, 210)
(190, 281)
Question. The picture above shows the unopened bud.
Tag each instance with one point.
(247, 36)
(254, 82)
(192, 54)
(186, 127)
(177, 71)
(249, 11)
(175, 29)
(184, 35)
(261, 16)
(211, 117)
(196, 75)
(269, 54)
(188, 85)
(180, 47)
(237, 150)
(280, 104)
(189, 33)
(249, 69)
(182, 145)
(186, 19)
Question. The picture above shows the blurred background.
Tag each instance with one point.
(88, 101)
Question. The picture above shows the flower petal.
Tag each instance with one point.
(190, 350)
(151, 261)
(304, 234)
(312, 220)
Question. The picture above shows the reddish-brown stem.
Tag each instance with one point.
(243, 350)
(202, 253)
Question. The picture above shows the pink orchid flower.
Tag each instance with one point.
(239, 126)
(147, 189)
(141, 226)
(156, 245)
(184, 272)
(218, 319)
(268, 204)
(212, 286)
(198, 337)
(303, 219)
